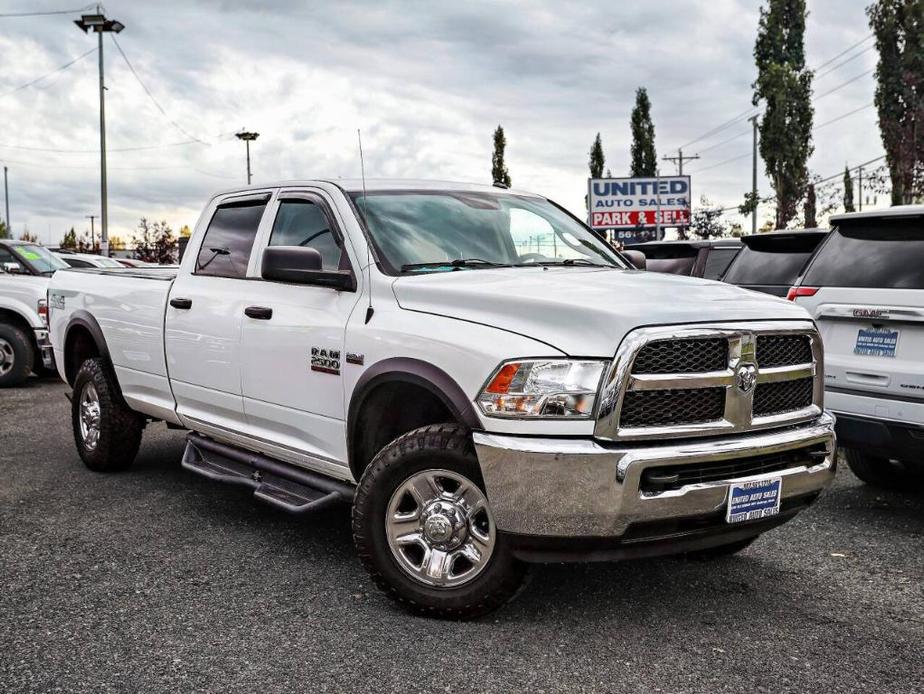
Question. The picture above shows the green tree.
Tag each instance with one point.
(899, 29)
(597, 160)
(848, 191)
(808, 210)
(155, 242)
(4, 232)
(499, 173)
(784, 86)
(644, 157)
(28, 236)
(706, 222)
(70, 240)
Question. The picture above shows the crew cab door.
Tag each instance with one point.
(205, 310)
(292, 341)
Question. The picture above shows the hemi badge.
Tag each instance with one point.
(353, 358)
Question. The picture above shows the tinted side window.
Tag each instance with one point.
(77, 262)
(766, 267)
(303, 223)
(717, 262)
(229, 239)
(887, 254)
(7, 257)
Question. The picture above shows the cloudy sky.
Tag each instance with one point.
(426, 82)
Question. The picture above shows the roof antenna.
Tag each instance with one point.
(362, 168)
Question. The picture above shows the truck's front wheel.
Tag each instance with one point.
(423, 527)
(106, 431)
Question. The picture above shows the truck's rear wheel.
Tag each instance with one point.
(879, 471)
(106, 431)
(423, 527)
(16, 355)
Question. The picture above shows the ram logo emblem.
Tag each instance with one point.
(746, 377)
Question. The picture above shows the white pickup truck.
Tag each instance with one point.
(485, 380)
(25, 269)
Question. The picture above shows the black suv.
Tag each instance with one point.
(707, 259)
(772, 262)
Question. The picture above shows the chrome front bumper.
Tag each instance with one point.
(45, 348)
(579, 488)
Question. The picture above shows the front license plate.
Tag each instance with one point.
(753, 500)
(876, 342)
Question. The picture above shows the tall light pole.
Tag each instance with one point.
(753, 120)
(92, 217)
(6, 202)
(247, 137)
(100, 25)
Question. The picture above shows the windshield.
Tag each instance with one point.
(39, 258)
(423, 231)
(769, 265)
(875, 253)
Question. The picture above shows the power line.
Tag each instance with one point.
(56, 70)
(96, 151)
(844, 52)
(151, 96)
(842, 116)
(46, 13)
(844, 84)
(843, 63)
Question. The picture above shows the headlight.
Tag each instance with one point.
(543, 388)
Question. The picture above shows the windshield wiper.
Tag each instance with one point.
(458, 262)
(584, 262)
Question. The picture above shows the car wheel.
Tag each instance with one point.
(879, 471)
(722, 550)
(106, 431)
(423, 527)
(16, 355)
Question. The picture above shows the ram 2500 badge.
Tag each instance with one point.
(485, 380)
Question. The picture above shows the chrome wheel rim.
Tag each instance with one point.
(89, 417)
(6, 357)
(440, 529)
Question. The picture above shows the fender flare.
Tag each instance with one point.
(85, 320)
(415, 372)
(28, 315)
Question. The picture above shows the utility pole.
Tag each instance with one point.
(753, 120)
(679, 159)
(247, 137)
(860, 187)
(100, 25)
(6, 202)
(91, 217)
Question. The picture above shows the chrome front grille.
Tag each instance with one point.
(682, 381)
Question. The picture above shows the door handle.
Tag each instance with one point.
(181, 303)
(258, 312)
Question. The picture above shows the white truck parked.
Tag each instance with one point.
(485, 380)
(25, 269)
(865, 289)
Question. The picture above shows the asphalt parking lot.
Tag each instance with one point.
(156, 580)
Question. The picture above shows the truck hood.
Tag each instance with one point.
(583, 311)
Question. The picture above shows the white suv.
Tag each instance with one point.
(865, 289)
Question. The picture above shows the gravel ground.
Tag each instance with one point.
(156, 580)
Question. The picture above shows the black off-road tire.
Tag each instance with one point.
(23, 354)
(440, 446)
(120, 428)
(879, 471)
(722, 550)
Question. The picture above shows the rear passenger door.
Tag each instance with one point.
(292, 346)
(204, 314)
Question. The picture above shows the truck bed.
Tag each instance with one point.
(128, 305)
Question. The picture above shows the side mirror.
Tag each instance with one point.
(13, 269)
(302, 265)
(637, 258)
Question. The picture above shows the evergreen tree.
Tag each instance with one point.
(808, 210)
(707, 220)
(4, 232)
(644, 157)
(499, 173)
(597, 160)
(69, 240)
(784, 85)
(155, 242)
(899, 29)
(848, 191)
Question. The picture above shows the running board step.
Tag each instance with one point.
(279, 484)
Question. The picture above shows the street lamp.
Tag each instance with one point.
(247, 137)
(100, 25)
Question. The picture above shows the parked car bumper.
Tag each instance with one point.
(45, 349)
(599, 495)
(888, 427)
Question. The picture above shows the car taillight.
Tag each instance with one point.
(795, 292)
(42, 310)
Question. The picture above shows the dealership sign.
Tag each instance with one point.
(639, 203)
